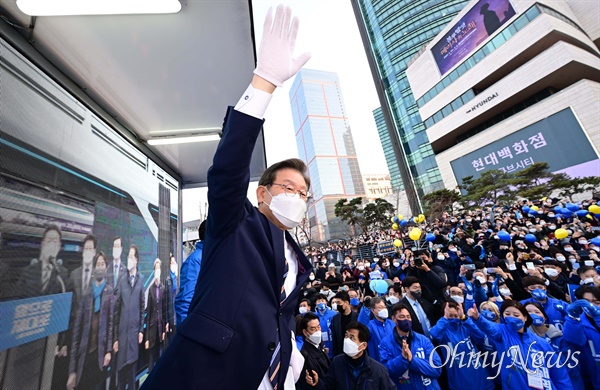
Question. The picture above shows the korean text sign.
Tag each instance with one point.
(25, 320)
(484, 18)
(557, 140)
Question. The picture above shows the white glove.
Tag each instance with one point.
(275, 62)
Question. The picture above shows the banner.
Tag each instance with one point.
(385, 247)
(472, 29)
(557, 140)
(25, 320)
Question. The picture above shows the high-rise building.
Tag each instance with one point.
(325, 144)
(393, 31)
(388, 150)
(521, 90)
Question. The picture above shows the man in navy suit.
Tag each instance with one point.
(238, 332)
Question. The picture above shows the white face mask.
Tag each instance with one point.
(551, 272)
(382, 313)
(289, 210)
(440, 257)
(174, 268)
(457, 298)
(315, 338)
(481, 279)
(589, 263)
(117, 253)
(569, 249)
(157, 274)
(587, 281)
(393, 299)
(396, 264)
(303, 310)
(311, 277)
(583, 242)
(88, 257)
(560, 258)
(130, 264)
(505, 292)
(351, 348)
(453, 249)
(334, 306)
(361, 267)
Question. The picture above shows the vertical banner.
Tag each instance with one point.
(470, 31)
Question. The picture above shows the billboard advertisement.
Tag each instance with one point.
(470, 31)
(557, 140)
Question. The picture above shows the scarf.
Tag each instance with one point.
(97, 293)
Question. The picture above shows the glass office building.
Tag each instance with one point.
(393, 31)
(388, 150)
(325, 144)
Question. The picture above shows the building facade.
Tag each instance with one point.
(393, 31)
(523, 90)
(325, 144)
(377, 186)
(388, 150)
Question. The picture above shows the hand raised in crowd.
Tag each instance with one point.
(473, 312)
(406, 353)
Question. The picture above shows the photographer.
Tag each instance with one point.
(432, 277)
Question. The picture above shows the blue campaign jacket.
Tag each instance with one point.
(555, 317)
(189, 275)
(325, 322)
(379, 330)
(419, 373)
(583, 334)
(235, 319)
(461, 357)
(529, 346)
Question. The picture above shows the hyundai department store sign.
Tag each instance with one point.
(472, 29)
(557, 140)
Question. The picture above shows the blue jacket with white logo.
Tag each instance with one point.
(460, 354)
(379, 330)
(421, 372)
(516, 352)
(555, 317)
(584, 334)
(325, 322)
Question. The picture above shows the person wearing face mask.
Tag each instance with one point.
(461, 335)
(559, 282)
(190, 269)
(91, 345)
(116, 270)
(325, 315)
(519, 348)
(269, 267)
(341, 303)
(432, 277)
(332, 276)
(355, 369)
(582, 328)
(354, 299)
(555, 338)
(554, 308)
(379, 327)
(394, 295)
(423, 313)
(129, 321)
(156, 321)
(315, 356)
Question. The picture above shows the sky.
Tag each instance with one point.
(328, 30)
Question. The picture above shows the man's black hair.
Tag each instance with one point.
(306, 318)
(363, 331)
(343, 295)
(202, 230)
(397, 307)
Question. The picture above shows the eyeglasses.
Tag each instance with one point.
(289, 190)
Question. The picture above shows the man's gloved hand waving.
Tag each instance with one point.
(276, 62)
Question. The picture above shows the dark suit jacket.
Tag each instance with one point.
(129, 319)
(110, 273)
(235, 319)
(30, 281)
(337, 333)
(156, 311)
(428, 308)
(314, 359)
(82, 326)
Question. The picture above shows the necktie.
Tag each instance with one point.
(275, 364)
(86, 279)
(115, 275)
(46, 273)
(422, 318)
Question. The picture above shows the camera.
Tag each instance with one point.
(418, 261)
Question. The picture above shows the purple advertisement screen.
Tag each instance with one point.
(473, 28)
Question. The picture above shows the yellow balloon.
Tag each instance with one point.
(395, 226)
(544, 198)
(400, 217)
(594, 209)
(415, 234)
(561, 233)
(392, 219)
(421, 218)
(534, 208)
(397, 243)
